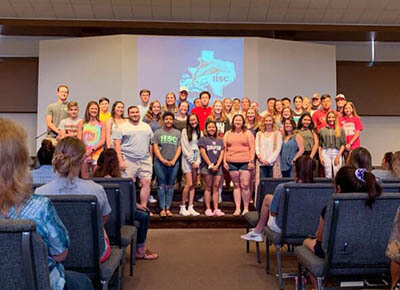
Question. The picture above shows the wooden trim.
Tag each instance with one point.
(304, 32)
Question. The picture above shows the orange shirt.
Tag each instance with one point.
(239, 147)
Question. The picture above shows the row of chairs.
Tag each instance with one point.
(300, 208)
(78, 214)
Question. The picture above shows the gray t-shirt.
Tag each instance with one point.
(167, 142)
(135, 139)
(61, 185)
(57, 111)
(70, 126)
(143, 110)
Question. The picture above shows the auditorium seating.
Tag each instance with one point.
(267, 186)
(81, 217)
(354, 239)
(23, 257)
(299, 210)
(391, 187)
(390, 180)
(128, 198)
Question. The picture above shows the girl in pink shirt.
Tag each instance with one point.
(352, 125)
(239, 160)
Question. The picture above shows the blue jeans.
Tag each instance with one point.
(143, 218)
(287, 173)
(266, 171)
(166, 176)
(77, 281)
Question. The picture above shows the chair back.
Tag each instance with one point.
(356, 236)
(390, 180)
(116, 218)
(81, 216)
(266, 186)
(36, 185)
(128, 192)
(300, 208)
(390, 187)
(23, 256)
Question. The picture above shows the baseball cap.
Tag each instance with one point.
(316, 96)
(183, 89)
(340, 96)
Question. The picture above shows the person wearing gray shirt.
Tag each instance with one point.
(56, 112)
(132, 142)
(167, 149)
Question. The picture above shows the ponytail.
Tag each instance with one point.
(372, 187)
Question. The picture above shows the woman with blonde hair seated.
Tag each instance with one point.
(17, 202)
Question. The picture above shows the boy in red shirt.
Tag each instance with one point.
(204, 111)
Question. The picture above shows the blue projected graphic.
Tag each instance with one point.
(201, 64)
(210, 75)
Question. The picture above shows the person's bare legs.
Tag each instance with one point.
(187, 187)
(236, 191)
(145, 191)
(395, 272)
(264, 215)
(208, 179)
(244, 177)
(192, 186)
(216, 183)
(310, 244)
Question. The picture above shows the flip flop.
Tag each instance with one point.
(148, 255)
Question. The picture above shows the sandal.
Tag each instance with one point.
(169, 213)
(163, 213)
(148, 255)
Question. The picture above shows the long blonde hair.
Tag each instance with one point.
(68, 157)
(256, 116)
(395, 163)
(150, 115)
(175, 110)
(213, 117)
(15, 180)
(337, 126)
(262, 123)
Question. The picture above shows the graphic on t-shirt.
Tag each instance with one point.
(210, 73)
(349, 128)
(214, 148)
(168, 139)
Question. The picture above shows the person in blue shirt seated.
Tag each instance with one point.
(45, 172)
(18, 202)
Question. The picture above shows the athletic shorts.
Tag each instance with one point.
(236, 166)
(142, 168)
(205, 171)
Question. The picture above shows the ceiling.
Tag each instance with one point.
(354, 12)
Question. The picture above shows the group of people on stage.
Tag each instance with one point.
(231, 140)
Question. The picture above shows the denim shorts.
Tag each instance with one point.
(236, 166)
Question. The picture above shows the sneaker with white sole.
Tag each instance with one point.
(152, 199)
(272, 224)
(253, 236)
(183, 211)
(208, 212)
(192, 211)
(218, 212)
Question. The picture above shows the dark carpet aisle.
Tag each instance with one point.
(194, 259)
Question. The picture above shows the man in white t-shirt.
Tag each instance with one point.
(132, 142)
(145, 103)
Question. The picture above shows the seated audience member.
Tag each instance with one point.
(45, 172)
(347, 179)
(270, 206)
(67, 161)
(69, 126)
(17, 202)
(393, 252)
(390, 166)
(108, 166)
(360, 158)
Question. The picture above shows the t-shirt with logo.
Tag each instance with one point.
(70, 126)
(213, 148)
(167, 141)
(350, 126)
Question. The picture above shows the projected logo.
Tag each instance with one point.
(211, 74)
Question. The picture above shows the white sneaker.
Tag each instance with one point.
(272, 224)
(192, 211)
(183, 211)
(201, 199)
(152, 199)
(253, 236)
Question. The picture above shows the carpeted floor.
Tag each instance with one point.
(194, 259)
